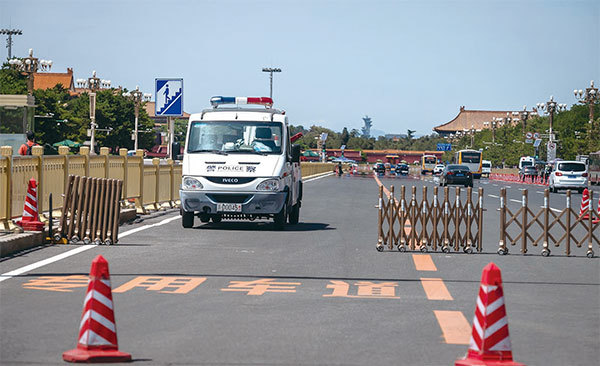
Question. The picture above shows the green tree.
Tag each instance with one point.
(12, 81)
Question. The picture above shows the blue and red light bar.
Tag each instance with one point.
(216, 101)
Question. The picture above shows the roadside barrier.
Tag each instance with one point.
(490, 340)
(92, 211)
(97, 339)
(447, 224)
(31, 220)
(546, 227)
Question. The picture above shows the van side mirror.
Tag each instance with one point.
(295, 153)
(176, 151)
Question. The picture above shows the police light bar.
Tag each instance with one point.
(216, 101)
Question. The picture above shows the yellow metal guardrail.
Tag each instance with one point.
(148, 186)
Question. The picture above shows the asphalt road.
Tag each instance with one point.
(318, 293)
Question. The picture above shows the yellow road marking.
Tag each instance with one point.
(423, 262)
(435, 289)
(454, 325)
(179, 285)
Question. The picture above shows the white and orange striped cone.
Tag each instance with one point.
(586, 205)
(97, 341)
(31, 219)
(490, 341)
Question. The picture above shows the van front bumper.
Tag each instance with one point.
(253, 203)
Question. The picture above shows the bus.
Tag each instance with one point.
(470, 158)
(428, 162)
(594, 167)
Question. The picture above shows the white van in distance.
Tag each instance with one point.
(486, 168)
(239, 163)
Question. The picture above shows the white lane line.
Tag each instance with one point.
(540, 192)
(553, 209)
(319, 177)
(493, 196)
(83, 248)
(517, 201)
(495, 185)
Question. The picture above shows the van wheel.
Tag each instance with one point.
(295, 214)
(187, 219)
(280, 218)
(204, 218)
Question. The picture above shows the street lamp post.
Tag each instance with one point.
(524, 114)
(94, 84)
(590, 97)
(30, 65)
(551, 107)
(138, 97)
(9, 42)
(271, 70)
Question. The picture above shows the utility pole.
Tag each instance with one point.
(271, 70)
(9, 42)
(94, 84)
(551, 107)
(524, 116)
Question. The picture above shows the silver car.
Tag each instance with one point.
(568, 174)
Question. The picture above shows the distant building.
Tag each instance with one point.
(395, 136)
(160, 120)
(476, 119)
(48, 80)
(366, 129)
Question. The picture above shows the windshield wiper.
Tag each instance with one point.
(249, 152)
(208, 150)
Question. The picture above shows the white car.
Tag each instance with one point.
(438, 169)
(486, 168)
(568, 175)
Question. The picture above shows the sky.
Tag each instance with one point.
(406, 64)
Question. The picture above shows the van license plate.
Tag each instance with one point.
(229, 207)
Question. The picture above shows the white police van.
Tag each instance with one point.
(239, 163)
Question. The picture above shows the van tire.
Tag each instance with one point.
(294, 217)
(187, 219)
(280, 218)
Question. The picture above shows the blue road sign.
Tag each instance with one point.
(444, 147)
(169, 97)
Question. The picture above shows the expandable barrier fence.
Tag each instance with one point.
(448, 224)
(547, 227)
(92, 210)
(538, 180)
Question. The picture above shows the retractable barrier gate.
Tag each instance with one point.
(547, 227)
(91, 211)
(448, 224)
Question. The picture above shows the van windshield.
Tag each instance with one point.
(525, 163)
(235, 137)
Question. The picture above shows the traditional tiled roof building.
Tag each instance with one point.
(478, 120)
(48, 80)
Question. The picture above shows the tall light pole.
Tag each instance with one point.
(524, 114)
(551, 107)
(271, 70)
(30, 65)
(94, 84)
(9, 42)
(138, 97)
(590, 97)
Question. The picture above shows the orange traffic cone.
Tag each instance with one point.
(97, 331)
(31, 220)
(586, 205)
(490, 342)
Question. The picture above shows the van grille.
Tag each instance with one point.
(229, 198)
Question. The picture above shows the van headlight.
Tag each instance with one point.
(271, 185)
(191, 184)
